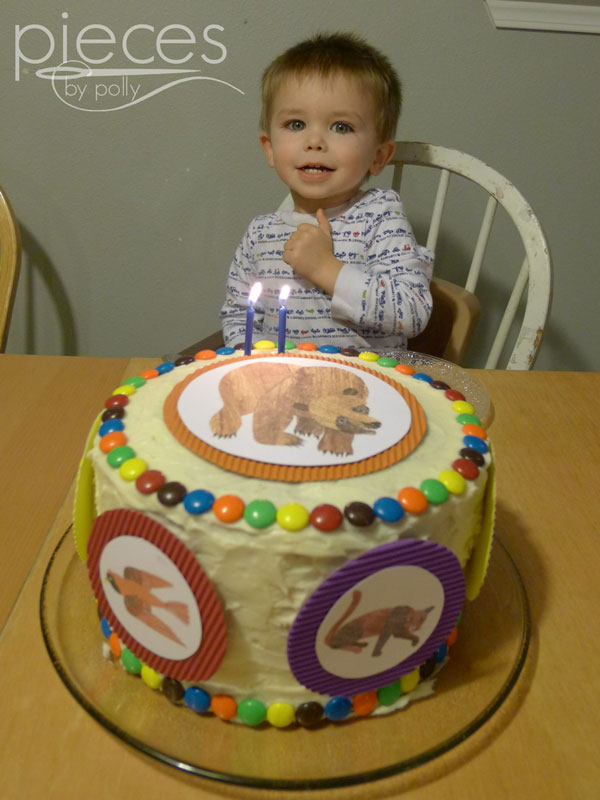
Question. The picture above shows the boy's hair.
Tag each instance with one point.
(325, 55)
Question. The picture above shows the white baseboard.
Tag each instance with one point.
(544, 16)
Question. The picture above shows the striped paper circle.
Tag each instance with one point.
(398, 603)
(118, 528)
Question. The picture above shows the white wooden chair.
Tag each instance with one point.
(535, 272)
(10, 263)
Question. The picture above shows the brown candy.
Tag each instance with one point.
(309, 714)
(118, 412)
(473, 455)
(171, 493)
(173, 690)
(359, 514)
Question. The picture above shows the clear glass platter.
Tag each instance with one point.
(484, 667)
(456, 377)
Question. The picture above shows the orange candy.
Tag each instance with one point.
(363, 704)
(452, 636)
(474, 430)
(115, 645)
(405, 369)
(307, 346)
(223, 706)
(148, 374)
(112, 440)
(412, 500)
(205, 355)
(228, 508)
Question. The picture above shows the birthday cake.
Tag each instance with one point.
(285, 538)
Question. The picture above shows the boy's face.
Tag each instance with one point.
(323, 140)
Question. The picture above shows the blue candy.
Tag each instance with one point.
(197, 699)
(338, 708)
(110, 426)
(198, 502)
(388, 509)
(475, 443)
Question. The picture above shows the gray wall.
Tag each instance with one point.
(130, 217)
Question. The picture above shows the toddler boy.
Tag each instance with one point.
(358, 278)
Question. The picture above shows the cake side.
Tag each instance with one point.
(264, 575)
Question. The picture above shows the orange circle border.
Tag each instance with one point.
(295, 474)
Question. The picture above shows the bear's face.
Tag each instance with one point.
(345, 413)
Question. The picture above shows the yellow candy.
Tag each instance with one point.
(292, 517)
(132, 468)
(126, 389)
(264, 344)
(462, 407)
(453, 481)
(408, 682)
(281, 714)
(368, 356)
(151, 678)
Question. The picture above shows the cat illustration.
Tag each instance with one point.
(398, 621)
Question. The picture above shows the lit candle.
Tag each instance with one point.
(252, 298)
(283, 296)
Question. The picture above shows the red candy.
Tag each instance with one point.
(468, 469)
(453, 395)
(116, 400)
(149, 481)
(326, 517)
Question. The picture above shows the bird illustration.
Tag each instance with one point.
(135, 585)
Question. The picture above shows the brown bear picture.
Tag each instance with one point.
(327, 402)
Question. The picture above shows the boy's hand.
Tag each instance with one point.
(309, 251)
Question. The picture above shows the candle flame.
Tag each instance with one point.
(254, 293)
(284, 293)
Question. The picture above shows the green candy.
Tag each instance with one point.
(386, 361)
(388, 695)
(131, 662)
(468, 419)
(252, 712)
(434, 491)
(120, 454)
(260, 513)
(136, 381)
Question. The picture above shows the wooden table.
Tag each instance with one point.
(542, 743)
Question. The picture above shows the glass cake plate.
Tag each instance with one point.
(456, 377)
(484, 667)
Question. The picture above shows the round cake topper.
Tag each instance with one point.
(301, 417)
(156, 596)
(84, 509)
(377, 618)
(477, 567)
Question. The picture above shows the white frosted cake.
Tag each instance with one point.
(285, 538)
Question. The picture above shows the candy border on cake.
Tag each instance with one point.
(261, 513)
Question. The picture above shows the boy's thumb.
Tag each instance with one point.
(323, 221)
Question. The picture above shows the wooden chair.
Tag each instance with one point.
(456, 309)
(535, 272)
(10, 264)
